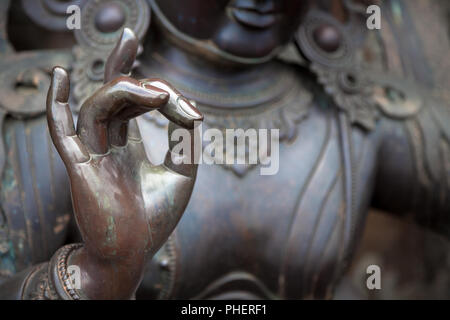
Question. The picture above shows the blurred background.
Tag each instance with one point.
(414, 262)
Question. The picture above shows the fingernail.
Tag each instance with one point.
(189, 109)
(60, 85)
(127, 33)
(163, 96)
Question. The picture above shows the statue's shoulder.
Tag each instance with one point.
(369, 74)
(367, 95)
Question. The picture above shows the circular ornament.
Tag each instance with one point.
(397, 98)
(102, 21)
(323, 39)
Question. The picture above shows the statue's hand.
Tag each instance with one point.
(125, 207)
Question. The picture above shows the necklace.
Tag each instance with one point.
(274, 96)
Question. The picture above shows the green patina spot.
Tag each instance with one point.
(9, 183)
(397, 12)
(8, 259)
(111, 232)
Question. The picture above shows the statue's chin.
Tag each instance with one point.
(246, 43)
(230, 42)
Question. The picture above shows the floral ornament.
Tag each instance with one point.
(328, 46)
(351, 92)
(331, 50)
(365, 97)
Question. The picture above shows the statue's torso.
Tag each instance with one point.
(247, 235)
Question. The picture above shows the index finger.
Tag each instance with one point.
(118, 101)
(178, 109)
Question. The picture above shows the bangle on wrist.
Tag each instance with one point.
(59, 275)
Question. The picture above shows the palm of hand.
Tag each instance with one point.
(125, 207)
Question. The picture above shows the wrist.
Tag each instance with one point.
(104, 278)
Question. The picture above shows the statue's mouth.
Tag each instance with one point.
(254, 17)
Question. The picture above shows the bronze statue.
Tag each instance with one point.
(354, 132)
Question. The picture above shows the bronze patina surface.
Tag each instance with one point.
(87, 170)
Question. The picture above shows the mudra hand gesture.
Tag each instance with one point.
(125, 207)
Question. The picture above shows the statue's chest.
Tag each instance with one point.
(285, 234)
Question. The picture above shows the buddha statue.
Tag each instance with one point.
(91, 178)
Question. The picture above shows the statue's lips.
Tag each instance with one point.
(253, 18)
